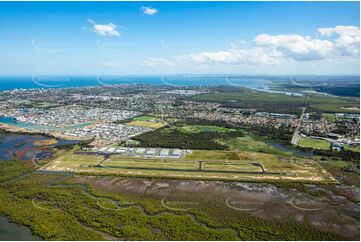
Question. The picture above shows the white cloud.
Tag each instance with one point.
(237, 56)
(104, 29)
(295, 47)
(153, 61)
(348, 41)
(148, 10)
(274, 49)
(353, 31)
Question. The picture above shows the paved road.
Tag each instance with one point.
(199, 169)
(296, 135)
(188, 170)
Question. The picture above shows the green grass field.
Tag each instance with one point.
(250, 143)
(148, 124)
(123, 161)
(143, 118)
(314, 143)
(212, 155)
(147, 121)
(352, 148)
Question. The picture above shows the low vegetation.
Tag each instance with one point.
(57, 208)
(329, 117)
(250, 142)
(280, 103)
(203, 128)
(12, 169)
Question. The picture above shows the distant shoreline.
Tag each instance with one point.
(256, 82)
(19, 130)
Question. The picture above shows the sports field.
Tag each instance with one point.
(148, 124)
(143, 118)
(314, 143)
(200, 164)
(147, 121)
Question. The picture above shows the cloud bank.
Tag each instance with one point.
(340, 42)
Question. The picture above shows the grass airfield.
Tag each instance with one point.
(200, 164)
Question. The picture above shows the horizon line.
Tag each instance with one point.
(185, 74)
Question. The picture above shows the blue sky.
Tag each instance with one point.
(79, 38)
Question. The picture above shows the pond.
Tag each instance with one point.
(285, 148)
(13, 122)
(27, 147)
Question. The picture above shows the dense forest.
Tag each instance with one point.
(173, 138)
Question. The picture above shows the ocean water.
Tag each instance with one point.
(10, 83)
(336, 85)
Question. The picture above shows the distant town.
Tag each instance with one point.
(84, 113)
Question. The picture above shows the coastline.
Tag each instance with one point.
(19, 130)
(24, 229)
